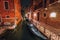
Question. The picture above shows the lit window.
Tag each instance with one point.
(35, 15)
(6, 5)
(53, 14)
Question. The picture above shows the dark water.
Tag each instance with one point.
(21, 32)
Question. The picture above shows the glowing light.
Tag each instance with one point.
(13, 27)
(46, 8)
(34, 14)
(31, 24)
(26, 15)
(53, 14)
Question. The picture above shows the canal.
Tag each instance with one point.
(21, 32)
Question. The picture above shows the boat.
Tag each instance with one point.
(34, 30)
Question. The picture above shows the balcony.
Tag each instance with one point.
(7, 22)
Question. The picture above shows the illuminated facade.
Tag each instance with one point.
(10, 13)
(46, 17)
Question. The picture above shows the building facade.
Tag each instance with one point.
(10, 13)
(45, 16)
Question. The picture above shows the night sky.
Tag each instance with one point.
(25, 3)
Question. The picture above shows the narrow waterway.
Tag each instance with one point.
(21, 32)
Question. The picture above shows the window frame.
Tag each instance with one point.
(4, 5)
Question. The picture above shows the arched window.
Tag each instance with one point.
(44, 14)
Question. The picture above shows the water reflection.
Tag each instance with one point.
(20, 33)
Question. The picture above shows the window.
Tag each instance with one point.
(6, 4)
(53, 15)
(38, 16)
(44, 14)
(7, 16)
